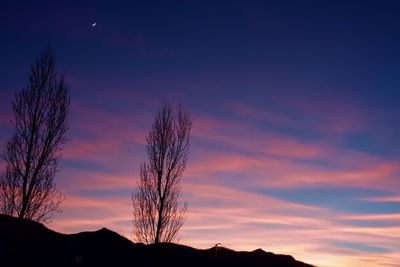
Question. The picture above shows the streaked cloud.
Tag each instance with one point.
(247, 185)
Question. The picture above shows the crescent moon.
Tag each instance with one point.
(94, 24)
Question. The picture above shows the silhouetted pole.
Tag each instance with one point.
(218, 245)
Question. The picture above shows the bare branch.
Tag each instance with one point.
(157, 213)
(32, 154)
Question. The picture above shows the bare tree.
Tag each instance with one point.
(157, 212)
(27, 188)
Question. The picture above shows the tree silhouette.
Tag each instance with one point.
(27, 188)
(157, 212)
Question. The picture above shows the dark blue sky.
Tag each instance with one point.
(346, 48)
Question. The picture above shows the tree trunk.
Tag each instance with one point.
(159, 223)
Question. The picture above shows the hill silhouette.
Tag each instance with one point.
(27, 243)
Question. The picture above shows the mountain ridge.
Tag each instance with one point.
(28, 243)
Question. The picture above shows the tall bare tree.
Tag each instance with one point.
(27, 187)
(158, 213)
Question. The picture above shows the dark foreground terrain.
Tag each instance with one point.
(27, 243)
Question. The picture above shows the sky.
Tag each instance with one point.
(295, 107)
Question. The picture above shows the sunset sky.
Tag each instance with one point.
(295, 143)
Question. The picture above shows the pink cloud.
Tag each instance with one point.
(90, 214)
(227, 159)
(390, 217)
(333, 116)
(105, 140)
(262, 150)
(332, 113)
(247, 138)
(267, 167)
(239, 219)
(277, 160)
(375, 176)
(243, 220)
(383, 199)
(72, 180)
